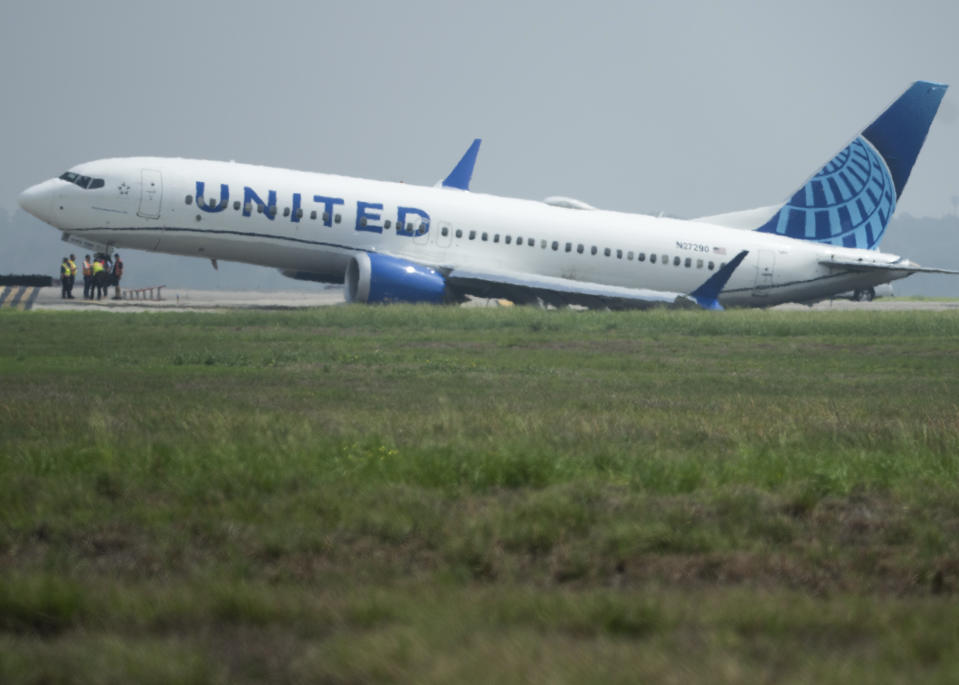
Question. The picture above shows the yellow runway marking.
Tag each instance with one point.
(19, 297)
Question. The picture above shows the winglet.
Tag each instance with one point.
(707, 295)
(462, 173)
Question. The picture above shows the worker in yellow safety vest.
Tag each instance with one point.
(87, 278)
(98, 275)
(73, 274)
(64, 279)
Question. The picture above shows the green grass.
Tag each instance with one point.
(419, 494)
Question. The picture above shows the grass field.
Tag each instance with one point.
(431, 495)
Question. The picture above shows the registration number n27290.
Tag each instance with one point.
(692, 247)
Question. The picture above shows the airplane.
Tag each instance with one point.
(397, 242)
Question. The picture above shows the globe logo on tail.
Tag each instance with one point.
(848, 203)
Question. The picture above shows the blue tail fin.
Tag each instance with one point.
(850, 200)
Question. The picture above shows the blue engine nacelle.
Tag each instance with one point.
(372, 277)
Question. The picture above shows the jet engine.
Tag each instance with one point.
(374, 278)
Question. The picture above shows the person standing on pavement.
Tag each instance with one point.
(87, 278)
(64, 279)
(98, 275)
(73, 275)
(117, 274)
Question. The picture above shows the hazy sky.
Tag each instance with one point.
(685, 107)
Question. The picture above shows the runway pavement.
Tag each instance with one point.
(178, 299)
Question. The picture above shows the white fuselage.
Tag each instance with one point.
(321, 220)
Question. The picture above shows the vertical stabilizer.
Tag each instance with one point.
(850, 200)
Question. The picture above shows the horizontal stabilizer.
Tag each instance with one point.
(462, 173)
(903, 266)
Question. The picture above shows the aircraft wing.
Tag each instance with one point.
(900, 265)
(557, 291)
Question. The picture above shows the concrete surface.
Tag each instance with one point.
(177, 299)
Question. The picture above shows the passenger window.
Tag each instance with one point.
(459, 233)
(248, 207)
(555, 245)
(259, 209)
(710, 266)
(189, 199)
(607, 252)
(593, 250)
(531, 242)
(699, 263)
(519, 240)
(272, 210)
(326, 217)
(676, 261)
(422, 229)
(337, 218)
(580, 248)
(386, 224)
(569, 247)
(236, 205)
(542, 244)
(313, 215)
(688, 263)
(641, 257)
(362, 221)
(286, 211)
(629, 255)
(665, 260)
(496, 238)
(652, 259)
(619, 254)
(444, 231)
(299, 213)
(508, 239)
(485, 236)
(472, 235)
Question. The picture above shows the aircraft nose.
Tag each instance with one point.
(37, 200)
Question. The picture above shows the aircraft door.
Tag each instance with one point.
(151, 193)
(443, 233)
(765, 265)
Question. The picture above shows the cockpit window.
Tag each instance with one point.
(84, 182)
